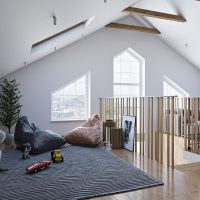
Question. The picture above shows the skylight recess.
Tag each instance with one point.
(59, 34)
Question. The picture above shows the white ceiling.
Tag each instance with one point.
(182, 37)
(25, 22)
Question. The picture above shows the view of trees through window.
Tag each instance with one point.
(71, 101)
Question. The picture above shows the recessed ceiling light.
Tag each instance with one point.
(186, 45)
(54, 20)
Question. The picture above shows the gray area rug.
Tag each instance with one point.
(85, 173)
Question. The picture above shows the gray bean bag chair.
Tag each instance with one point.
(39, 140)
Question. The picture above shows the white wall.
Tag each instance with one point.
(95, 53)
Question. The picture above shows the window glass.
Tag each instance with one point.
(72, 101)
(127, 75)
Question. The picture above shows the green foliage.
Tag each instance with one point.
(10, 107)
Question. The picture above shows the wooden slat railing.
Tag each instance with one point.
(159, 121)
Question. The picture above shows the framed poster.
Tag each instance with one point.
(128, 126)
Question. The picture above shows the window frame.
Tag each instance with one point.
(141, 62)
(180, 92)
(87, 98)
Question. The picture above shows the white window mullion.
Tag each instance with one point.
(73, 104)
(129, 66)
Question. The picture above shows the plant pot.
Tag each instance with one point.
(9, 139)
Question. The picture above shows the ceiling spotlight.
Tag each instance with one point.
(54, 20)
(105, 1)
(186, 45)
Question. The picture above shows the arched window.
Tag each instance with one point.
(128, 74)
(71, 102)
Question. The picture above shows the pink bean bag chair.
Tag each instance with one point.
(88, 134)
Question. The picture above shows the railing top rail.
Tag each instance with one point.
(154, 97)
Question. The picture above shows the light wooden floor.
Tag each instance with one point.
(182, 183)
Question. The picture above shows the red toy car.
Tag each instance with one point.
(38, 166)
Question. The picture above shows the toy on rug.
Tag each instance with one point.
(56, 156)
(26, 152)
(2, 169)
(35, 167)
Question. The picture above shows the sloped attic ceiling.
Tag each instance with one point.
(24, 23)
(182, 37)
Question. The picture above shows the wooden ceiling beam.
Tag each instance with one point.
(133, 28)
(155, 14)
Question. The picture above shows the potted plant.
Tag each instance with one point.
(10, 106)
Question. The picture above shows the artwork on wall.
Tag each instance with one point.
(128, 125)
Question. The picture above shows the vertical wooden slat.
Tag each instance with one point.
(195, 125)
(121, 110)
(148, 127)
(189, 121)
(192, 138)
(113, 108)
(122, 106)
(185, 124)
(193, 130)
(126, 102)
(140, 125)
(172, 132)
(143, 121)
(161, 130)
(102, 112)
(115, 111)
(101, 108)
(136, 127)
(152, 145)
(182, 117)
(175, 115)
(157, 132)
(109, 108)
(198, 125)
(168, 130)
(118, 111)
(197, 117)
(192, 123)
(104, 108)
